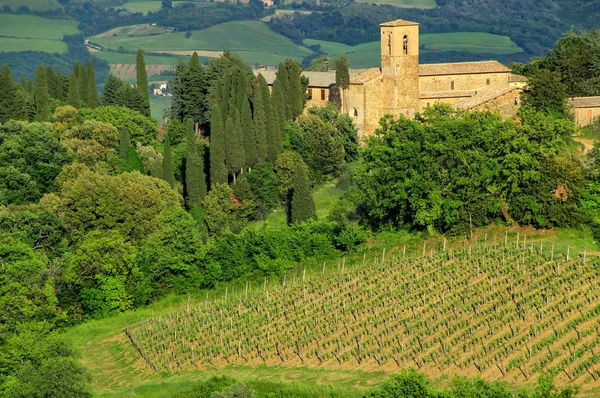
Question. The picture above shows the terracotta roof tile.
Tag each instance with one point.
(516, 78)
(365, 76)
(484, 95)
(447, 94)
(585, 102)
(399, 22)
(315, 79)
(462, 68)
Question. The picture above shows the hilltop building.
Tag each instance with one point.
(401, 86)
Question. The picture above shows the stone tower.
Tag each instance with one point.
(400, 67)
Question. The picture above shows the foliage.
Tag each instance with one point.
(302, 205)
(218, 171)
(195, 180)
(12, 97)
(346, 131)
(342, 74)
(263, 185)
(42, 98)
(224, 211)
(285, 166)
(142, 82)
(141, 128)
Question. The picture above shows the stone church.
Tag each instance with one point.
(401, 86)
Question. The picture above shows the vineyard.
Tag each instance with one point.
(499, 309)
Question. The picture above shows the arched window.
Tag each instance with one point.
(405, 45)
(516, 100)
(354, 112)
(389, 44)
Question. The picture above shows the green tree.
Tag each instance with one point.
(260, 124)
(142, 82)
(342, 76)
(92, 91)
(279, 102)
(12, 101)
(168, 175)
(52, 82)
(73, 98)
(42, 98)
(112, 91)
(282, 77)
(303, 205)
(224, 211)
(141, 128)
(177, 88)
(124, 142)
(195, 180)
(295, 91)
(547, 92)
(274, 132)
(82, 84)
(218, 171)
(248, 131)
(194, 93)
(234, 146)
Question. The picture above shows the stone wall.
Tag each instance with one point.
(461, 82)
(318, 97)
(428, 102)
(585, 116)
(507, 105)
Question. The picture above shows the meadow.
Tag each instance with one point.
(144, 6)
(158, 106)
(30, 32)
(34, 5)
(252, 40)
(366, 55)
(404, 3)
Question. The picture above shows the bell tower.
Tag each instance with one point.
(400, 67)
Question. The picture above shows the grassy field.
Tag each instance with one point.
(367, 54)
(118, 58)
(404, 3)
(252, 40)
(29, 32)
(34, 5)
(144, 6)
(158, 107)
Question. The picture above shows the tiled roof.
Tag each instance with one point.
(585, 102)
(365, 76)
(462, 68)
(447, 94)
(399, 22)
(484, 95)
(315, 79)
(516, 78)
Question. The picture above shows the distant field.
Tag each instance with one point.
(135, 30)
(29, 32)
(367, 55)
(158, 107)
(144, 6)
(118, 58)
(252, 40)
(128, 71)
(34, 5)
(404, 3)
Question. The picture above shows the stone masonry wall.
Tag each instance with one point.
(461, 82)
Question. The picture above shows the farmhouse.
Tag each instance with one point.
(401, 86)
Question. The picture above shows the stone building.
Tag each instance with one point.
(401, 86)
(585, 110)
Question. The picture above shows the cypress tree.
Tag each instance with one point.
(82, 84)
(274, 133)
(124, 142)
(225, 93)
(279, 102)
(112, 94)
(168, 175)
(234, 146)
(92, 90)
(282, 76)
(218, 171)
(177, 89)
(194, 94)
(195, 180)
(52, 84)
(42, 98)
(248, 131)
(342, 76)
(260, 127)
(73, 91)
(295, 93)
(12, 100)
(232, 107)
(142, 81)
(242, 90)
(303, 205)
(61, 94)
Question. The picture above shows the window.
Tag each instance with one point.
(354, 112)
(589, 113)
(322, 95)
(389, 44)
(310, 93)
(516, 100)
(405, 45)
(487, 82)
(452, 85)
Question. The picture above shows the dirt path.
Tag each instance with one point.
(588, 143)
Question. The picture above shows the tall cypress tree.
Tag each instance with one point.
(168, 175)
(177, 88)
(242, 90)
(303, 205)
(274, 133)
(142, 81)
(194, 94)
(42, 98)
(12, 100)
(225, 93)
(248, 131)
(234, 146)
(260, 126)
(218, 171)
(52, 84)
(282, 76)
(279, 102)
(195, 180)
(342, 77)
(82, 84)
(73, 92)
(61, 93)
(295, 93)
(232, 107)
(124, 142)
(92, 90)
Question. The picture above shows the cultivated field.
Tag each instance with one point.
(119, 58)
(34, 5)
(128, 71)
(29, 32)
(499, 309)
(144, 6)
(252, 40)
(368, 54)
(404, 3)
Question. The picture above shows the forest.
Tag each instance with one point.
(103, 211)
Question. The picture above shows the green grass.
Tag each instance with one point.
(34, 5)
(144, 6)
(367, 55)
(30, 32)
(404, 3)
(118, 58)
(252, 40)
(158, 106)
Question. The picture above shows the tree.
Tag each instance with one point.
(248, 131)
(234, 146)
(194, 92)
(342, 75)
(142, 82)
(224, 211)
(274, 132)
(141, 128)
(260, 124)
(42, 98)
(177, 89)
(282, 77)
(218, 171)
(92, 91)
(166, 4)
(285, 167)
(124, 142)
(73, 98)
(295, 92)
(82, 84)
(168, 175)
(195, 180)
(52, 82)
(12, 101)
(547, 92)
(303, 205)
(112, 94)
(279, 102)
